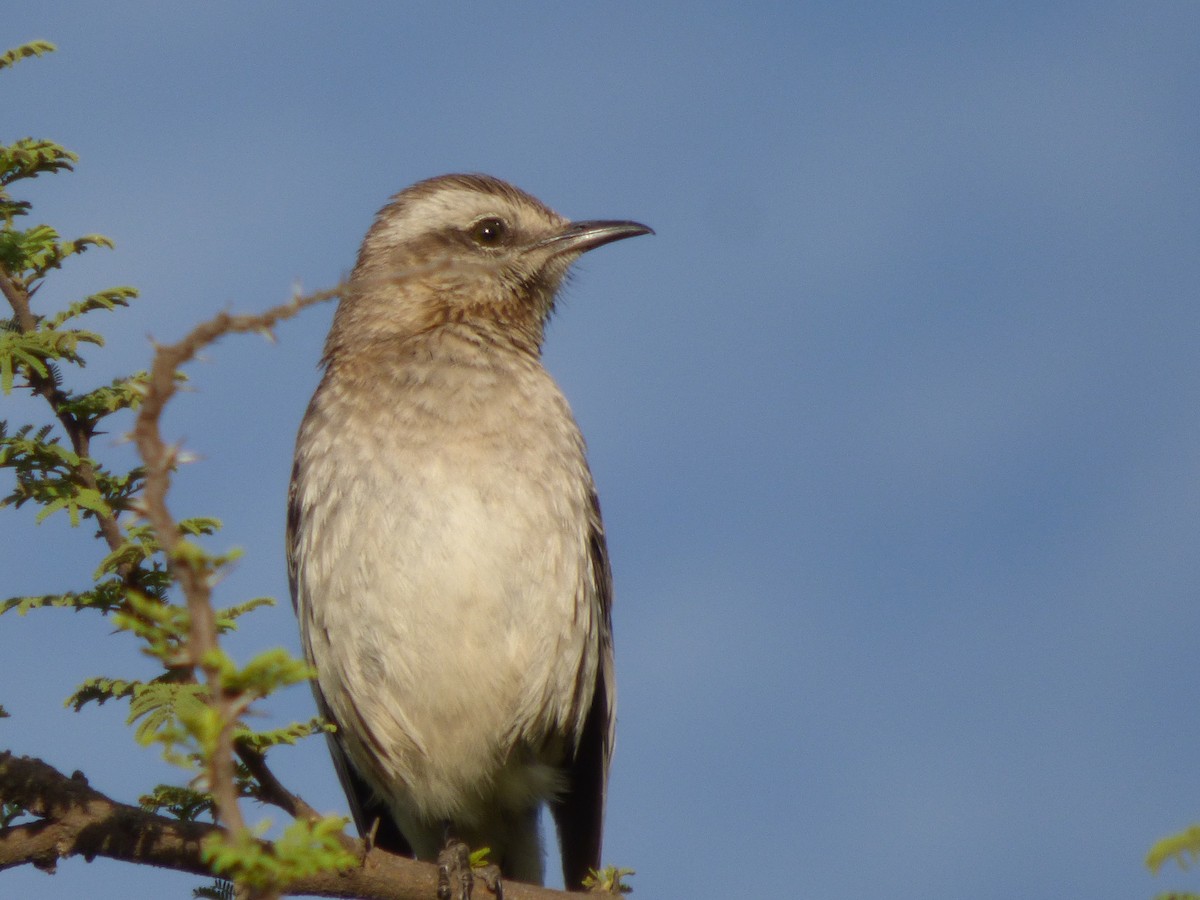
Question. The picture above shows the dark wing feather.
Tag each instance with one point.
(579, 811)
(368, 812)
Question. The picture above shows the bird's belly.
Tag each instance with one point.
(458, 636)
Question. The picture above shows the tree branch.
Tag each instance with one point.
(74, 819)
(193, 579)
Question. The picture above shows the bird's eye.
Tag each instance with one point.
(488, 232)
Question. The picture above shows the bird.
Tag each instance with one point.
(446, 553)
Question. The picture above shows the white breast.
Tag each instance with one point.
(442, 552)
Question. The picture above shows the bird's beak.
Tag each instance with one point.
(579, 237)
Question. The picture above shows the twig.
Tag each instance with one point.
(77, 432)
(274, 792)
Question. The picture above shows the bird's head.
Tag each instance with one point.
(464, 249)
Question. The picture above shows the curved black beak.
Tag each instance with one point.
(579, 237)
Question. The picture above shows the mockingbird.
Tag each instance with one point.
(445, 548)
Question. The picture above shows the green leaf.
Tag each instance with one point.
(183, 803)
(34, 350)
(200, 525)
(140, 545)
(289, 734)
(17, 350)
(50, 474)
(265, 673)
(169, 714)
(105, 597)
(25, 51)
(28, 250)
(225, 618)
(30, 157)
(52, 507)
(74, 500)
(164, 627)
(1183, 847)
(91, 499)
(100, 691)
(109, 299)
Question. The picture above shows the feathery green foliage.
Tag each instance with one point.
(195, 708)
(305, 848)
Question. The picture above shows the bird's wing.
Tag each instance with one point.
(369, 813)
(579, 811)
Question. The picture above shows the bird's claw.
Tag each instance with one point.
(456, 875)
(454, 872)
(490, 876)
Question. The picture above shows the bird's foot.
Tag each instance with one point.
(454, 872)
(489, 874)
(458, 868)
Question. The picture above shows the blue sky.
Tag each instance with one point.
(896, 419)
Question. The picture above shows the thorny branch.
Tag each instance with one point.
(193, 577)
(75, 819)
(160, 460)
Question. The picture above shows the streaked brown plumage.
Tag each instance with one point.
(445, 546)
